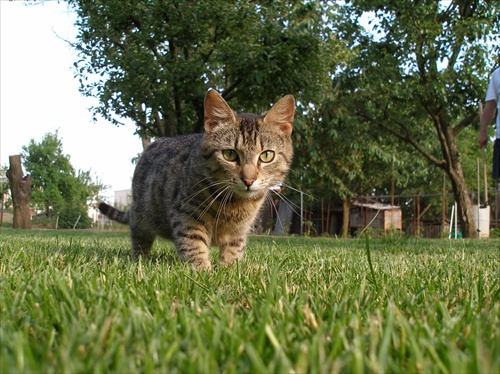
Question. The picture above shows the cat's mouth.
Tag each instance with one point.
(249, 192)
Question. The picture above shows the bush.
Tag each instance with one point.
(68, 218)
(495, 233)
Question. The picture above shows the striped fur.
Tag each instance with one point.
(115, 214)
(193, 190)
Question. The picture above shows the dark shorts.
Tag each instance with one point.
(496, 159)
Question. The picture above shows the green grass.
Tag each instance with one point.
(75, 302)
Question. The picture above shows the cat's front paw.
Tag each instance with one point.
(228, 260)
(202, 265)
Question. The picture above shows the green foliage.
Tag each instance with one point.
(338, 152)
(56, 186)
(438, 56)
(78, 215)
(50, 169)
(4, 182)
(75, 302)
(470, 155)
(420, 73)
(5, 187)
(153, 61)
(417, 75)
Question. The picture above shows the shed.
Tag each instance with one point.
(384, 216)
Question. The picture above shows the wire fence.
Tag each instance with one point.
(424, 215)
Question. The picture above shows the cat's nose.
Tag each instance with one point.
(248, 181)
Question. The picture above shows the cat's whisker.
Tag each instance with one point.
(273, 207)
(294, 207)
(205, 187)
(221, 203)
(210, 198)
(192, 196)
(288, 202)
(224, 202)
(203, 203)
(299, 191)
(222, 207)
(222, 190)
(202, 180)
(276, 209)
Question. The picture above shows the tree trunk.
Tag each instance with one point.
(328, 214)
(443, 204)
(464, 212)
(47, 210)
(146, 141)
(346, 206)
(20, 187)
(453, 169)
(1, 209)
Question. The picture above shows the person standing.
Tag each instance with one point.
(491, 107)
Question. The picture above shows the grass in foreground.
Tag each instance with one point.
(75, 302)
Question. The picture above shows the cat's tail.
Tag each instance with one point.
(115, 214)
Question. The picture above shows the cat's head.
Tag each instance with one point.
(252, 153)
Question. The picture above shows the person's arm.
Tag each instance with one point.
(487, 116)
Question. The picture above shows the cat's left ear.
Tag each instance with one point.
(281, 114)
(217, 111)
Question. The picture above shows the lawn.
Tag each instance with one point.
(73, 301)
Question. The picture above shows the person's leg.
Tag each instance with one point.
(496, 160)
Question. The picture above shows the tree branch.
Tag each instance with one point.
(227, 92)
(465, 122)
(409, 139)
(405, 136)
(206, 57)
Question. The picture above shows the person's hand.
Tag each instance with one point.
(482, 139)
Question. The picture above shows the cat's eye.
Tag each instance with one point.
(230, 154)
(266, 156)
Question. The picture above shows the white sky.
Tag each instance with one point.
(39, 94)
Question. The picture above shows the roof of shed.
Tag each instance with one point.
(376, 206)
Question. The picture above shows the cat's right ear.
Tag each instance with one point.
(281, 114)
(217, 111)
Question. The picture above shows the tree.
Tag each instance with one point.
(56, 186)
(51, 171)
(153, 61)
(4, 189)
(20, 186)
(420, 74)
(339, 153)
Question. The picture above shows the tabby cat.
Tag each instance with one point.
(205, 189)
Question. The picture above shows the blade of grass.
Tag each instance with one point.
(370, 265)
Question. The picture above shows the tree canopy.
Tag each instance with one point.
(416, 74)
(56, 186)
(346, 156)
(420, 74)
(153, 61)
(4, 186)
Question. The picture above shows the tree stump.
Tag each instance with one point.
(20, 187)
